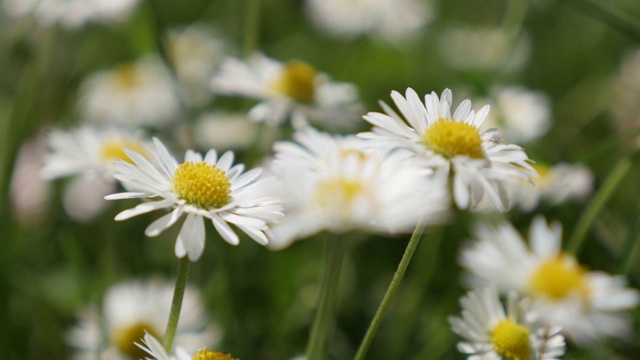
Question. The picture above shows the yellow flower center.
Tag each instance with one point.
(511, 340)
(297, 81)
(452, 138)
(208, 354)
(125, 337)
(127, 76)
(202, 185)
(113, 150)
(558, 278)
(338, 193)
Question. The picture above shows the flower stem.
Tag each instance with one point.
(631, 246)
(334, 256)
(176, 303)
(596, 204)
(388, 296)
(252, 26)
(612, 17)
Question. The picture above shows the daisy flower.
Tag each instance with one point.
(89, 151)
(293, 90)
(88, 154)
(132, 308)
(492, 334)
(479, 163)
(392, 21)
(139, 93)
(556, 185)
(523, 114)
(588, 305)
(195, 52)
(154, 348)
(336, 184)
(210, 187)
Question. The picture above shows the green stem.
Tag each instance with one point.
(596, 204)
(393, 287)
(176, 303)
(631, 246)
(336, 249)
(252, 26)
(609, 16)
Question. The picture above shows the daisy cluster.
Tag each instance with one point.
(241, 162)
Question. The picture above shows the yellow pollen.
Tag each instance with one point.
(125, 337)
(127, 76)
(208, 354)
(338, 194)
(297, 81)
(511, 340)
(558, 278)
(345, 153)
(452, 138)
(113, 150)
(202, 185)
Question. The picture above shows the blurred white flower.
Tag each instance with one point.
(467, 48)
(623, 99)
(89, 151)
(195, 52)
(335, 184)
(71, 13)
(588, 305)
(210, 187)
(492, 334)
(140, 93)
(294, 91)
(88, 154)
(29, 194)
(556, 185)
(130, 309)
(224, 131)
(524, 115)
(480, 164)
(390, 20)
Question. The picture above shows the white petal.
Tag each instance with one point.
(142, 209)
(163, 223)
(225, 230)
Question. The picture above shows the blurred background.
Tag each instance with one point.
(562, 78)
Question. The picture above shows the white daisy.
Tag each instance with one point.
(132, 308)
(556, 185)
(492, 334)
(479, 163)
(195, 52)
(587, 304)
(390, 20)
(335, 184)
(89, 151)
(30, 195)
(88, 154)
(140, 93)
(293, 90)
(154, 348)
(199, 188)
(71, 13)
(523, 114)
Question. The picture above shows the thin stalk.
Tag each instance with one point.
(252, 27)
(176, 303)
(631, 245)
(596, 204)
(334, 257)
(609, 16)
(391, 291)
